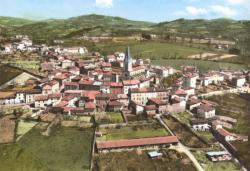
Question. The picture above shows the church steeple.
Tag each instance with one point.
(128, 61)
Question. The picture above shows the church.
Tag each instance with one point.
(130, 70)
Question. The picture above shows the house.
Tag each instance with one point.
(200, 125)
(239, 81)
(114, 106)
(8, 98)
(71, 86)
(154, 154)
(41, 101)
(205, 111)
(116, 88)
(89, 107)
(150, 110)
(142, 95)
(177, 105)
(217, 156)
(160, 104)
(189, 80)
(67, 64)
(136, 107)
(30, 95)
(193, 103)
(225, 135)
(130, 84)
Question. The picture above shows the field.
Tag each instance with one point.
(133, 132)
(215, 166)
(183, 117)
(139, 160)
(7, 73)
(66, 149)
(235, 106)
(203, 66)
(151, 50)
(7, 129)
(109, 118)
(238, 107)
(24, 127)
(185, 136)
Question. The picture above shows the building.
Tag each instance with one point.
(239, 81)
(142, 95)
(130, 84)
(205, 111)
(143, 143)
(189, 80)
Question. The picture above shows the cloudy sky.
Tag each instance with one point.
(149, 10)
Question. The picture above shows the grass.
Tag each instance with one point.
(183, 117)
(133, 132)
(235, 106)
(203, 66)
(207, 136)
(215, 166)
(24, 127)
(185, 136)
(139, 160)
(244, 153)
(66, 149)
(151, 50)
(109, 118)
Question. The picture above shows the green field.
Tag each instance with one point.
(151, 50)
(24, 127)
(109, 118)
(139, 161)
(7, 73)
(203, 66)
(65, 149)
(133, 132)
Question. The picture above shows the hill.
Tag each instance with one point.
(94, 25)
(11, 21)
(220, 28)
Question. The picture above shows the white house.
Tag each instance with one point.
(205, 111)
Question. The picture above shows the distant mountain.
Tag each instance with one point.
(97, 25)
(11, 21)
(221, 27)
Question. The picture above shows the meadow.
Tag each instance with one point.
(203, 66)
(65, 149)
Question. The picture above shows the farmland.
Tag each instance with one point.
(185, 136)
(133, 132)
(139, 160)
(109, 118)
(203, 66)
(152, 50)
(66, 148)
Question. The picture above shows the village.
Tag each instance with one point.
(127, 103)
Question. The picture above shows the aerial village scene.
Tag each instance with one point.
(69, 106)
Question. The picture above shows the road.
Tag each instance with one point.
(180, 147)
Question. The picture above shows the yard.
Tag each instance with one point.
(203, 66)
(184, 135)
(24, 127)
(109, 118)
(183, 117)
(215, 166)
(139, 160)
(133, 132)
(65, 149)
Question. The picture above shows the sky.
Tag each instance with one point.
(146, 10)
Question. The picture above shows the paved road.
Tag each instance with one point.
(180, 147)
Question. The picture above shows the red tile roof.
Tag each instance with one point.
(137, 142)
(41, 98)
(131, 82)
(90, 105)
(114, 84)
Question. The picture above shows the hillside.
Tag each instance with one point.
(95, 25)
(11, 21)
(220, 28)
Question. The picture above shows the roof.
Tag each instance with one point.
(114, 84)
(115, 103)
(147, 90)
(206, 108)
(90, 105)
(131, 82)
(137, 142)
(158, 101)
(217, 153)
(150, 107)
(41, 98)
